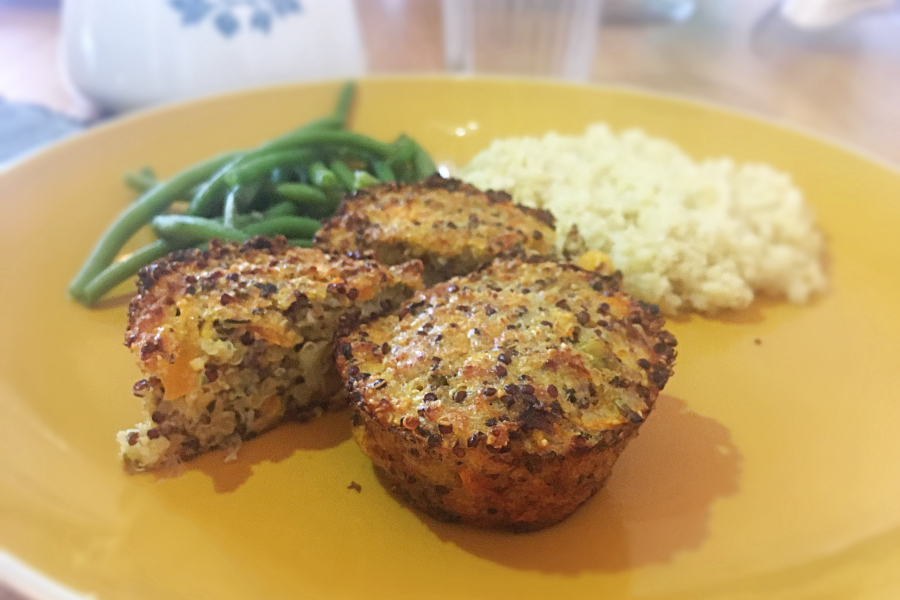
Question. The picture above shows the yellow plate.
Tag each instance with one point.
(770, 469)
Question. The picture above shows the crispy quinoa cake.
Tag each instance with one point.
(451, 226)
(234, 340)
(502, 399)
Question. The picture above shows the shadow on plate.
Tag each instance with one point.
(752, 315)
(655, 505)
(274, 446)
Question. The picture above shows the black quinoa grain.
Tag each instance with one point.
(552, 391)
(459, 396)
(504, 358)
(501, 371)
(379, 383)
(643, 363)
(445, 427)
(511, 389)
(140, 388)
(153, 433)
(527, 389)
(133, 438)
(489, 391)
(430, 397)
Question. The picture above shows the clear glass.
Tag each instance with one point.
(545, 38)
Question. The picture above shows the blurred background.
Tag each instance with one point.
(830, 66)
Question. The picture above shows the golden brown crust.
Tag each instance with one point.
(257, 283)
(235, 340)
(516, 387)
(451, 226)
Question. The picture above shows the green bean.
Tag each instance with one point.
(204, 199)
(259, 165)
(329, 123)
(282, 209)
(333, 139)
(291, 227)
(345, 101)
(155, 201)
(320, 176)
(383, 171)
(301, 192)
(187, 230)
(401, 163)
(246, 219)
(423, 164)
(301, 242)
(230, 210)
(119, 271)
(312, 201)
(141, 181)
(280, 175)
(343, 173)
(363, 179)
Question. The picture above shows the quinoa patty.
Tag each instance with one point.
(502, 399)
(451, 226)
(234, 340)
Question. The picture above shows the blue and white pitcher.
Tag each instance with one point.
(125, 54)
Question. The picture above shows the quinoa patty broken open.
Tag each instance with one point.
(502, 399)
(239, 338)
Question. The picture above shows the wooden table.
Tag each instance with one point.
(842, 83)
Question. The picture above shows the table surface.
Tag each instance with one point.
(843, 83)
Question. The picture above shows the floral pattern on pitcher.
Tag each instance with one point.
(230, 16)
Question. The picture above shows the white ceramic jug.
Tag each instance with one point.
(125, 54)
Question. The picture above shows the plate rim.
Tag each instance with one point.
(155, 111)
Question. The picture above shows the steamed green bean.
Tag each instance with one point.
(186, 230)
(274, 189)
(155, 201)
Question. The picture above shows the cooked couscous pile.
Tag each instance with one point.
(687, 235)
